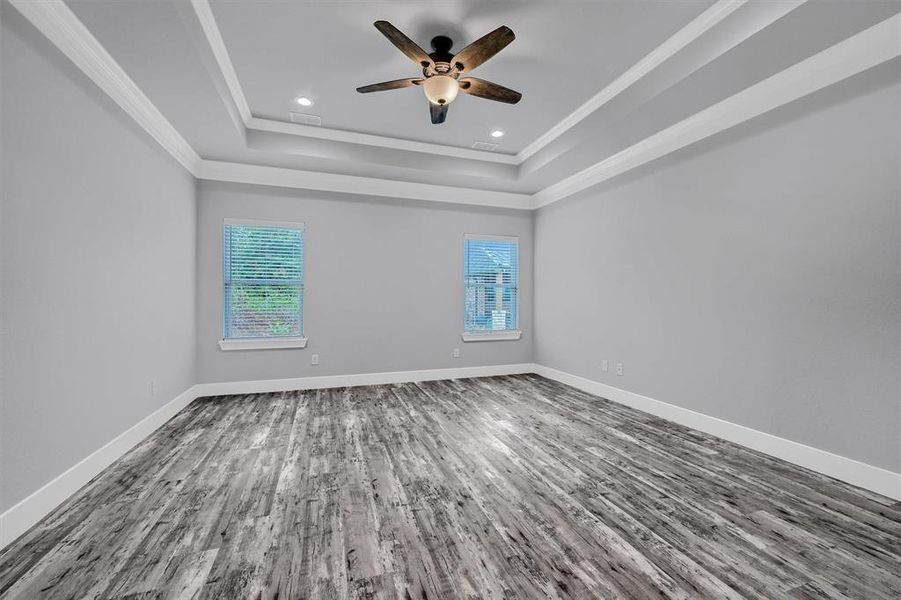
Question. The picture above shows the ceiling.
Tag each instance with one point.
(598, 78)
(325, 50)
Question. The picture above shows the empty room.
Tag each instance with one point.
(426, 300)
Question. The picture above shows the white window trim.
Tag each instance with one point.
(262, 343)
(259, 223)
(273, 343)
(503, 334)
(492, 238)
(492, 336)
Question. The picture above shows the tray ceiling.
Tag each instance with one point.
(564, 53)
(607, 85)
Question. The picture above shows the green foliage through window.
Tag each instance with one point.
(263, 276)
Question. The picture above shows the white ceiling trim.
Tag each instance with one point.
(220, 52)
(352, 184)
(60, 25)
(54, 19)
(682, 38)
(366, 139)
(854, 55)
(845, 59)
(208, 23)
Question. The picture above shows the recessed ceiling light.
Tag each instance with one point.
(497, 133)
(304, 101)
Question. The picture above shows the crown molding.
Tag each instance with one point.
(682, 38)
(60, 25)
(352, 184)
(859, 52)
(54, 19)
(854, 55)
(695, 29)
(204, 13)
(217, 45)
(367, 139)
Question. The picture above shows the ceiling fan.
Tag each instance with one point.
(441, 71)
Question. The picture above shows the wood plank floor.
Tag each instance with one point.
(500, 487)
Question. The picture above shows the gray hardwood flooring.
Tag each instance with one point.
(500, 487)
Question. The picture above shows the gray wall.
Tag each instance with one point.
(755, 278)
(384, 283)
(97, 269)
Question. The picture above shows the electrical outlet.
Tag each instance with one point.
(619, 368)
(153, 388)
(605, 366)
(314, 360)
(456, 353)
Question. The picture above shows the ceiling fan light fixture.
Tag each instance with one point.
(441, 70)
(440, 89)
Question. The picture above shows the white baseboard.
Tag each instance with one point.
(20, 517)
(876, 479)
(330, 381)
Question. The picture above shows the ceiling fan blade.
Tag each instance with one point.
(404, 44)
(492, 91)
(390, 85)
(439, 112)
(482, 49)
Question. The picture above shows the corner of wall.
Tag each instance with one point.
(195, 367)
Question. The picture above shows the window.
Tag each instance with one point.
(262, 274)
(491, 288)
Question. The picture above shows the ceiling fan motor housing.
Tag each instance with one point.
(441, 45)
(441, 56)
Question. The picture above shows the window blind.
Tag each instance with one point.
(263, 278)
(491, 283)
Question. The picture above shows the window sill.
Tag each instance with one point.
(263, 343)
(491, 336)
